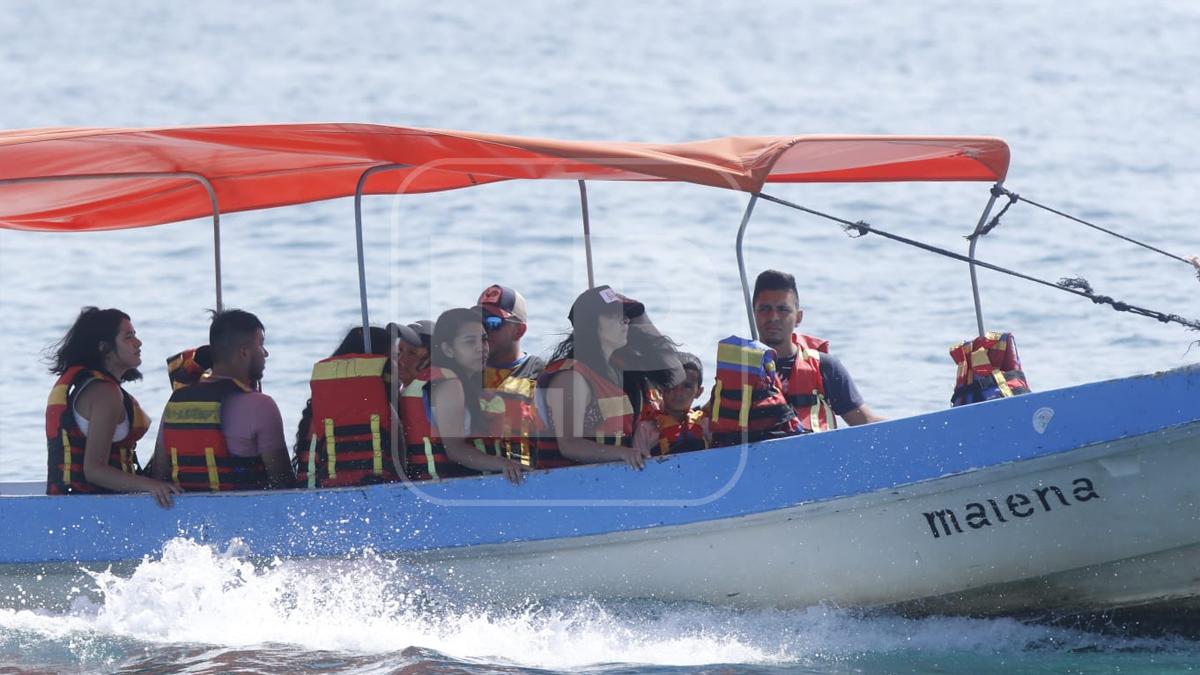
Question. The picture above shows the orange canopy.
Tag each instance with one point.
(261, 166)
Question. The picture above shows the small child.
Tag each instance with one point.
(673, 426)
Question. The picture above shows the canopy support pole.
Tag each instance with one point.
(587, 233)
(358, 239)
(199, 178)
(987, 211)
(741, 260)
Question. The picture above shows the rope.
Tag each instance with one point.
(1013, 197)
(996, 192)
(1078, 287)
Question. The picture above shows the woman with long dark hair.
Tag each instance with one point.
(598, 378)
(441, 409)
(92, 423)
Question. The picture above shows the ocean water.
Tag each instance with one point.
(1096, 100)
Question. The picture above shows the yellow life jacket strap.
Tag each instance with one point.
(312, 461)
(376, 446)
(430, 464)
(747, 402)
(66, 441)
(330, 448)
(175, 466)
(214, 478)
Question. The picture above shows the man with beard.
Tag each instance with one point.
(815, 382)
(223, 433)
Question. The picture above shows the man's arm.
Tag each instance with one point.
(861, 415)
(843, 395)
(272, 447)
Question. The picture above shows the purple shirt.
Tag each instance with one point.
(250, 423)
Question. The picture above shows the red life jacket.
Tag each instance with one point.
(747, 402)
(192, 438)
(988, 368)
(424, 454)
(616, 412)
(508, 410)
(189, 366)
(66, 443)
(350, 433)
(805, 387)
(675, 436)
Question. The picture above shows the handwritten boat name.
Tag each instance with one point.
(989, 512)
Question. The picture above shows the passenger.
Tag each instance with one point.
(345, 432)
(510, 378)
(92, 423)
(816, 383)
(674, 426)
(441, 410)
(222, 433)
(413, 349)
(598, 378)
(506, 320)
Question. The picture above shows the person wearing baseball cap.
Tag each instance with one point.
(506, 319)
(597, 379)
(510, 377)
(412, 349)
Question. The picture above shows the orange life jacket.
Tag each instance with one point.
(66, 443)
(424, 454)
(193, 440)
(988, 368)
(747, 402)
(511, 421)
(351, 424)
(675, 436)
(806, 387)
(616, 412)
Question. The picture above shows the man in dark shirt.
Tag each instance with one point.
(776, 314)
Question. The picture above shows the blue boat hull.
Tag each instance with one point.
(688, 501)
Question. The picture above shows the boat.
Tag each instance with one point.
(1072, 501)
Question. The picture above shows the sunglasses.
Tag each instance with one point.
(493, 322)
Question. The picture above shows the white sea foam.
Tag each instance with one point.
(193, 594)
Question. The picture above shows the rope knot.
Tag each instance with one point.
(856, 230)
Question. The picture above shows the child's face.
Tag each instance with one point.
(681, 396)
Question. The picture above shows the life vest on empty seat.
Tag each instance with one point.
(510, 419)
(424, 454)
(805, 388)
(747, 402)
(65, 441)
(675, 436)
(616, 414)
(350, 433)
(988, 368)
(195, 444)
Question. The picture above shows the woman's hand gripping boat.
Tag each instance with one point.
(1081, 499)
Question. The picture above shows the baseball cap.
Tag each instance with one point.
(595, 300)
(503, 302)
(417, 333)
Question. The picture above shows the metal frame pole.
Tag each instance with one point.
(358, 237)
(987, 211)
(741, 260)
(199, 178)
(587, 233)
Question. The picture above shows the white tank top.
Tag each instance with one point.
(122, 430)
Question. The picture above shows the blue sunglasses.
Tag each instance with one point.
(491, 322)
